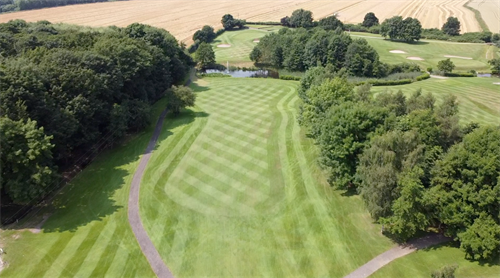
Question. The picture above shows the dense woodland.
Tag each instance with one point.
(67, 92)
(412, 163)
(21, 5)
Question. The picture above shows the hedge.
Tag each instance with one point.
(290, 77)
(264, 22)
(215, 74)
(459, 74)
(423, 77)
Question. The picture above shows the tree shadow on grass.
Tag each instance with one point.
(92, 194)
(410, 43)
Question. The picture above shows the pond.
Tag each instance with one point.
(246, 73)
(484, 75)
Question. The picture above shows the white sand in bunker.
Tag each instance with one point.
(224, 45)
(414, 58)
(256, 40)
(459, 57)
(497, 83)
(397, 51)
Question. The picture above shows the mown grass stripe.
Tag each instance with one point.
(103, 262)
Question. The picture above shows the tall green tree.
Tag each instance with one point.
(205, 55)
(301, 18)
(330, 23)
(495, 65)
(179, 98)
(206, 34)
(451, 26)
(446, 65)
(370, 20)
(396, 28)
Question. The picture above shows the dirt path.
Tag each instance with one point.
(378, 262)
(148, 248)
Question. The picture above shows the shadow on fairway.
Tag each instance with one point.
(95, 193)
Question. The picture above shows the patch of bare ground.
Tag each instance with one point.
(414, 58)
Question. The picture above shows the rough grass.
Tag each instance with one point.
(423, 262)
(88, 234)
(432, 52)
(233, 190)
(479, 98)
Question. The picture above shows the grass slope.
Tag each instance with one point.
(433, 51)
(88, 234)
(233, 190)
(479, 98)
(241, 45)
(423, 262)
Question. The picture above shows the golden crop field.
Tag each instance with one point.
(490, 12)
(183, 18)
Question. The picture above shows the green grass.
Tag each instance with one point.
(233, 190)
(88, 234)
(241, 45)
(479, 98)
(433, 51)
(423, 262)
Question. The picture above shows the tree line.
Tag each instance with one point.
(21, 5)
(410, 160)
(301, 49)
(63, 89)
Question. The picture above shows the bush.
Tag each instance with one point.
(423, 76)
(214, 74)
(459, 74)
(290, 77)
(447, 271)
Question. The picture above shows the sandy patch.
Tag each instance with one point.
(224, 45)
(458, 57)
(497, 83)
(414, 58)
(439, 76)
(398, 51)
(256, 40)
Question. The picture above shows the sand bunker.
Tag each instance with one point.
(256, 40)
(497, 83)
(397, 51)
(438, 76)
(414, 58)
(224, 45)
(459, 57)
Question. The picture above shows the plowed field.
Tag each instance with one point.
(183, 18)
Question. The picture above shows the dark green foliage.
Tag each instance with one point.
(451, 26)
(370, 20)
(21, 5)
(446, 65)
(229, 22)
(362, 60)
(290, 77)
(81, 88)
(396, 28)
(330, 23)
(447, 271)
(179, 98)
(466, 192)
(205, 55)
(495, 65)
(206, 34)
(301, 18)
(460, 74)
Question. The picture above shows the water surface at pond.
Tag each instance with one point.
(247, 73)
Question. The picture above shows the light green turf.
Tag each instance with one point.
(235, 191)
(242, 43)
(423, 262)
(433, 51)
(479, 98)
(88, 234)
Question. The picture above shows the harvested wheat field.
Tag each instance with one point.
(490, 12)
(183, 18)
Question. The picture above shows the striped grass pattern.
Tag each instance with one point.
(235, 192)
(241, 45)
(479, 98)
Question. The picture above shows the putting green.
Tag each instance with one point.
(234, 191)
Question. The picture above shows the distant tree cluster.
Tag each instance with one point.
(21, 5)
(412, 163)
(206, 34)
(301, 49)
(451, 26)
(304, 19)
(65, 89)
(397, 28)
(229, 22)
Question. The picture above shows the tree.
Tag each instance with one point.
(205, 55)
(229, 22)
(447, 271)
(465, 192)
(361, 58)
(285, 21)
(206, 34)
(370, 20)
(396, 28)
(26, 157)
(495, 65)
(452, 26)
(446, 65)
(179, 98)
(301, 18)
(330, 23)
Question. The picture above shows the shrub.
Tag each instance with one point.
(290, 77)
(459, 74)
(447, 271)
(214, 74)
(423, 76)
